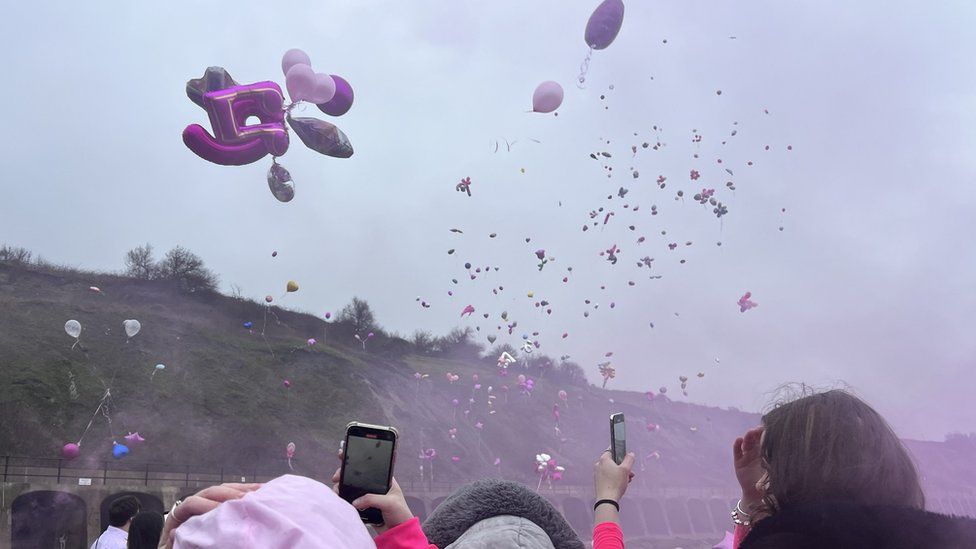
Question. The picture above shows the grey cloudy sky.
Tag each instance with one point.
(871, 281)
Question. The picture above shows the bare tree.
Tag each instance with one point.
(187, 269)
(15, 255)
(359, 314)
(139, 263)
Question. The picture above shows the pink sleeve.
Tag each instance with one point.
(607, 535)
(738, 535)
(404, 536)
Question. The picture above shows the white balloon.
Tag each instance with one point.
(160, 367)
(132, 327)
(73, 328)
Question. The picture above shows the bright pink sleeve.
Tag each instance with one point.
(404, 536)
(738, 535)
(607, 535)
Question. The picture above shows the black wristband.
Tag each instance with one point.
(610, 501)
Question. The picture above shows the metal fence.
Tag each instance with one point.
(37, 470)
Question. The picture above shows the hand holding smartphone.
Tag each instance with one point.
(369, 452)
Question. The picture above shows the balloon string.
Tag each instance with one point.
(584, 68)
(93, 417)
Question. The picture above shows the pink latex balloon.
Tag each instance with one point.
(287, 383)
(70, 450)
(547, 97)
(324, 89)
(235, 142)
(300, 82)
(290, 450)
(341, 102)
(294, 57)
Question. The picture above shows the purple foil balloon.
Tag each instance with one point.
(234, 142)
(280, 183)
(604, 24)
(341, 102)
(321, 136)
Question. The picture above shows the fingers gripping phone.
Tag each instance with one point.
(618, 437)
(367, 465)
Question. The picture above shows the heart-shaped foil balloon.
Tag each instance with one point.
(280, 183)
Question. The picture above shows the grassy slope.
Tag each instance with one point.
(221, 400)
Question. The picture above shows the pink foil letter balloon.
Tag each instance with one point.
(234, 142)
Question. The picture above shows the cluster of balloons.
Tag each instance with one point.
(236, 141)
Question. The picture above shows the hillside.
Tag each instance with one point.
(221, 399)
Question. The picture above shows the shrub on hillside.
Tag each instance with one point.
(15, 255)
(458, 343)
(422, 342)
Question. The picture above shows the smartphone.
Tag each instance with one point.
(369, 452)
(618, 437)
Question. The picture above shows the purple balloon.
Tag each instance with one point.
(294, 57)
(70, 450)
(341, 102)
(604, 24)
(234, 142)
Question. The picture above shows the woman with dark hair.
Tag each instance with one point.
(145, 530)
(826, 470)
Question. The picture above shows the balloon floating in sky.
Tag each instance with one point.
(322, 137)
(131, 327)
(341, 102)
(291, 287)
(73, 329)
(548, 96)
(119, 451)
(70, 450)
(134, 438)
(745, 302)
(281, 185)
(604, 24)
(237, 140)
(601, 31)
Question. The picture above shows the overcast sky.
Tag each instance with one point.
(871, 281)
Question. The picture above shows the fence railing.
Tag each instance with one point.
(24, 469)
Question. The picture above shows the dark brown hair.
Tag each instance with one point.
(832, 446)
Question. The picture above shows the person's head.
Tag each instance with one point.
(121, 511)
(832, 446)
(145, 530)
(289, 511)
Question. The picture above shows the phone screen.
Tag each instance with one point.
(618, 435)
(367, 466)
